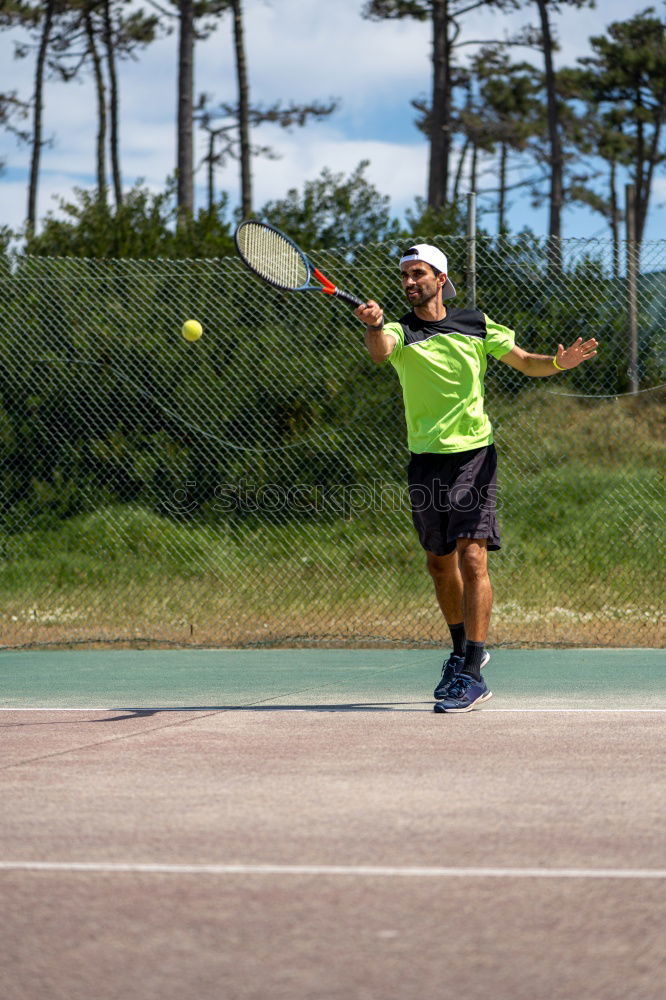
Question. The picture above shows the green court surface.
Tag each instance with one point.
(389, 680)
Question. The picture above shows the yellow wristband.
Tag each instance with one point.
(560, 369)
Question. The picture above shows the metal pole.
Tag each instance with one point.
(471, 250)
(632, 298)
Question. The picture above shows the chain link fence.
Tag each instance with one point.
(249, 488)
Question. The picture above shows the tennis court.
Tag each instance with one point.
(299, 823)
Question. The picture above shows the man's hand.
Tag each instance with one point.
(541, 365)
(371, 314)
(380, 345)
(576, 354)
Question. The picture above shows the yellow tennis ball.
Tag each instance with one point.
(192, 330)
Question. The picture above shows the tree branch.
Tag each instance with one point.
(167, 13)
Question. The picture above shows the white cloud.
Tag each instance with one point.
(395, 169)
(312, 53)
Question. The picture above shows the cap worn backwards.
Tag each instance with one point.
(431, 255)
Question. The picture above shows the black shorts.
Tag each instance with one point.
(454, 496)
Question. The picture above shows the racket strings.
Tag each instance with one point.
(272, 257)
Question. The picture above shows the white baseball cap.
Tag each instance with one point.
(434, 257)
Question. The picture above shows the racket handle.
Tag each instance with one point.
(352, 300)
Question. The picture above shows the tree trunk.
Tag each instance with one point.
(211, 170)
(440, 124)
(556, 158)
(243, 112)
(647, 158)
(653, 158)
(501, 204)
(185, 142)
(642, 208)
(459, 170)
(113, 105)
(37, 111)
(101, 106)
(615, 220)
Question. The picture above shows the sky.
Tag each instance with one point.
(298, 50)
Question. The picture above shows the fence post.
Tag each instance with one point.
(471, 250)
(632, 310)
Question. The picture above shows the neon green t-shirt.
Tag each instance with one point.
(441, 367)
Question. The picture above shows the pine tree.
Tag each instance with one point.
(546, 9)
(626, 79)
(445, 17)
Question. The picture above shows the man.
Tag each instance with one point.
(440, 354)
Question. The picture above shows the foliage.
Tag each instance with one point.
(625, 83)
(105, 403)
(421, 10)
(12, 112)
(424, 220)
(143, 226)
(125, 565)
(334, 210)
(223, 128)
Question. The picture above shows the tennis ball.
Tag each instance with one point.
(192, 330)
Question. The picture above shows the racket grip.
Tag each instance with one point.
(352, 300)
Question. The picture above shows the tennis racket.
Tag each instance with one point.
(277, 259)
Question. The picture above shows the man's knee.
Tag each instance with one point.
(440, 567)
(473, 555)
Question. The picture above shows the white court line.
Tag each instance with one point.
(230, 708)
(622, 711)
(107, 708)
(331, 870)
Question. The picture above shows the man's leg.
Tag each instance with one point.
(472, 556)
(468, 689)
(448, 581)
(478, 600)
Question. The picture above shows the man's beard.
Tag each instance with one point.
(422, 297)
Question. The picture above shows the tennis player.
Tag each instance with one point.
(440, 355)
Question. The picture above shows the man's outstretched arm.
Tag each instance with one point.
(540, 365)
(379, 344)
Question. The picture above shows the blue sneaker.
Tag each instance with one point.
(464, 695)
(450, 668)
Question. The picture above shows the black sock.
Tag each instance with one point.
(473, 655)
(458, 637)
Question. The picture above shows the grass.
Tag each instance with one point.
(581, 511)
